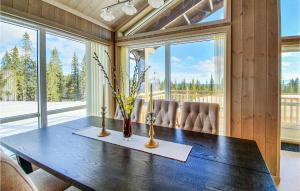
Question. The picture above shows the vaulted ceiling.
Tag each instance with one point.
(175, 13)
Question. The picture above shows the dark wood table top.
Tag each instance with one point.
(215, 162)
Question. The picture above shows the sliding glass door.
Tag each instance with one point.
(39, 69)
(197, 73)
(154, 58)
(66, 78)
(18, 78)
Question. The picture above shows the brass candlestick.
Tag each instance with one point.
(151, 144)
(103, 132)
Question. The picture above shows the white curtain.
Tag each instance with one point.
(95, 80)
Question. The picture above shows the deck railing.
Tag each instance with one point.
(290, 111)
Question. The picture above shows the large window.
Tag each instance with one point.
(197, 72)
(153, 57)
(18, 77)
(186, 71)
(23, 68)
(66, 74)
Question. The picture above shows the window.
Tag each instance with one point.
(186, 71)
(182, 13)
(197, 73)
(66, 73)
(21, 72)
(18, 77)
(153, 57)
(290, 70)
(290, 96)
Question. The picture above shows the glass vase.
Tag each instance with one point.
(127, 128)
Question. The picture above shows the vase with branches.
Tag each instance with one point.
(125, 101)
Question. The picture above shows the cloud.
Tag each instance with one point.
(190, 58)
(11, 35)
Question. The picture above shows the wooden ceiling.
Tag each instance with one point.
(92, 8)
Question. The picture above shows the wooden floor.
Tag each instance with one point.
(289, 171)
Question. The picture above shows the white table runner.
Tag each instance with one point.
(166, 149)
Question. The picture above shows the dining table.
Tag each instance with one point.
(215, 162)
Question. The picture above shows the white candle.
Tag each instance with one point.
(151, 100)
(103, 96)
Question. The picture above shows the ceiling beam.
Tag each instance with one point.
(197, 16)
(211, 4)
(187, 19)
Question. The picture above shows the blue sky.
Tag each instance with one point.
(193, 60)
(290, 17)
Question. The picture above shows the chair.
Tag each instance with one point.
(165, 112)
(13, 178)
(200, 117)
(136, 113)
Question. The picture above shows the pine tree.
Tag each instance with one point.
(211, 84)
(183, 85)
(75, 82)
(83, 80)
(30, 70)
(67, 91)
(2, 84)
(198, 85)
(54, 77)
(6, 61)
(18, 73)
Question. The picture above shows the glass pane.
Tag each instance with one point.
(290, 17)
(66, 72)
(65, 116)
(290, 96)
(18, 71)
(155, 58)
(186, 13)
(18, 78)
(197, 73)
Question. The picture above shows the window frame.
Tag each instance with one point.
(42, 112)
(185, 37)
(131, 31)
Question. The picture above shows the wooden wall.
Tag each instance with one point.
(255, 76)
(51, 16)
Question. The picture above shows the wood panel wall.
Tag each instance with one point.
(43, 13)
(255, 76)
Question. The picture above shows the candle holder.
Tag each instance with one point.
(103, 132)
(151, 144)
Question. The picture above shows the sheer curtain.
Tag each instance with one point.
(96, 80)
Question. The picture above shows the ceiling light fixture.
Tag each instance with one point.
(128, 8)
(107, 15)
(156, 3)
